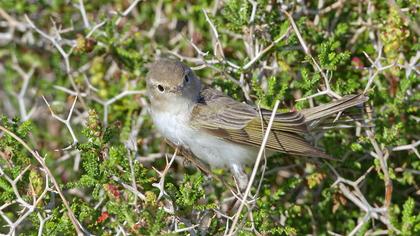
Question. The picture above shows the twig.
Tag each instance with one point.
(65, 55)
(217, 46)
(26, 76)
(254, 10)
(83, 13)
(130, 188)
(157, 20)
(377, 65)
(161, 184)
(78, 227)
(110, 101)
(127, 11)
(412, 147)
(255, 169)
(382, 157)
(65, 121)
(359, 200)
(261, 53)
(328, 90)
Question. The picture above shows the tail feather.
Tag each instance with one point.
(322, 111)
(289, 129)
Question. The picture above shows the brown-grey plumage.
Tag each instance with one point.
(242, 123)
(168, 77)
(170, 72)
(222, 131)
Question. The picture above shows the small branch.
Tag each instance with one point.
(65, 121)
(127, 11)
(255, 169)
(254, 10)
(161, 184)
(130, 188)
(26, 76)
(359, 200)
(53, 41)
(110, 101)
(316, 65)
(78, 227)
(261, 53)
(378, 67)
(83, 13)
(412, 147)
(157, 20)
(64, 54)
(382, 157)
(217, 46)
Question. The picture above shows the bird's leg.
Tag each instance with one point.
(240, 176)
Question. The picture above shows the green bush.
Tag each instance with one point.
(111, 165)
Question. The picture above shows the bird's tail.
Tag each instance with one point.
(315, 115)
(290, 128)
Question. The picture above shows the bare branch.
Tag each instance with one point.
(65, 121)
(161, 184)
(127, 11)
(412, 147)
(217, 46)
(110, 101)
(26, 76)
(255, 169)
(261, 53)
(317, 67)
(83, 13)
(78, 227)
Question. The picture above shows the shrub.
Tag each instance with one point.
(79, 152)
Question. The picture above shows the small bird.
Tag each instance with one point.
(221, 131)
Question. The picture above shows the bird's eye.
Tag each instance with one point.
(160, 88)
(186, 78)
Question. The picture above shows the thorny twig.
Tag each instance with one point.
(161, 184)
(78, 227)
(328, 90)
(412, 147)
(65, 55)
(26, 76)
(65, 121)
(378, 67)
(28, 208)
(127, 11)
(357, 197)
(217, 46)
(157, 20)
(83, 13)
(130, 188)
(255, 169)
(107, 103)
(262, 52)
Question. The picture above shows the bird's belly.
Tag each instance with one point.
(220, 153)
(208, 148)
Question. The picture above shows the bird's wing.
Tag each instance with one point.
(218, 111)
(241, 123)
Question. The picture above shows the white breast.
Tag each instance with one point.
(173, 126)
(210, 149)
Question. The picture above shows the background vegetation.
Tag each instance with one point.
(79, 153)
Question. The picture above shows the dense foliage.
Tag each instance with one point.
(72, 89)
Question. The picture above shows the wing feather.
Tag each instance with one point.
(241, 123)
